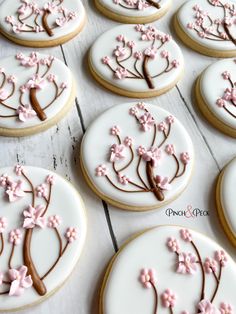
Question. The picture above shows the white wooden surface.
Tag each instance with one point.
(58, 149)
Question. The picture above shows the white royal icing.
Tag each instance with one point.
(221, 96)
(200, 20)
(64, 18)
(97, 153)
(127, 292)
(23, 69)
(227, 195)
(65, 203)
(105, 48)
(134, 8)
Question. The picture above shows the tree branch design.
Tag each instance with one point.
(219, 29)
(139, 68)
(34, 217)
(30, 18)
(138, 4)
(43, 78)
(148, 158)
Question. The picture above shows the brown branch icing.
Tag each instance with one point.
(48, 30)
(36, 106)
(146, 73)
(2, 244)
(150, 176)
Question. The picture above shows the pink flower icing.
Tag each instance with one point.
(115, 130)
(187, 263)
(153, 155)
(14, 190)
(19, 281)
(51, 78)
(106, 60)
(19, 169)
(170, 149)
(221, 257)
(36, 82)
(162, 126)
(128, 141)
(206, 307)
(141, 106)
(25, 112)
(101, 171)
(141, 150)
(185, 158)
(117, 152)
(41, 190)
(3, 224)
(168, 298)
(210, 265)
(119, 51)
(170, 119)
(54, 221)
(146, 121)
(50, 179)
(71, 234)
(120, 73)
(123, 179)
(226, 308)
(33, 217)
(5, 180)
(186, 235)
(133, 111)
(173, 244)
(163, 183)
(150, 52)
(15, 236)
(148, 277)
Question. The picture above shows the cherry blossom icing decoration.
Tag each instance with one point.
(151, 157)
(14, 280)
(30, 17)
(228, 100)
(28, 105)
(137, 4)
(126, 50)
(217, 29)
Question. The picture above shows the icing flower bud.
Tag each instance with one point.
(168, 298)
(165, 54)
(19, 170)
(11, 79)
(226, 308)
(226, 75)
(106, 60)
(221, 257)
(50, 179)
(173, 244)
(115, 130)
(51, 78)
(133, 111)
(117, 152)
(142, 106)
(15, 237)
(128, 141)
(162, 183)
(4, 180)
(186, 235)
(3, 224)
(101, 171)
(187, 263)
(41, 190)
(220, 102)
(54, 221)
(170, 149)
(185, 158)
(71, 234)
(210, 265)
(146, 121)
(120, 73)
(123, 179)
(148, 277)
(138, 55)
(120, 38)
(64, 85)
(170, 119)
(141, 150)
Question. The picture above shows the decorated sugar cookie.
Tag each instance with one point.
(42, 232)
(218, 103)
(36, 91)
(143, 159)
(134, 11)
(136, 61)
(41, 23)
(225, 200)
(208, 26)
(170, 270)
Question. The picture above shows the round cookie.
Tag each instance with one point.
(36, 91)
(41, 23)
(136, 61)
(135, 11)
(225, 200)
(142, 160)
(217, 102)
(208, 26)
(42, 233)
(170, 270)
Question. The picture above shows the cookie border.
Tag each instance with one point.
(223, 221)
(14, 132)
(208, 114)
(130, 19)
(193, 45)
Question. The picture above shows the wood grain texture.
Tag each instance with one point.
(58, 149)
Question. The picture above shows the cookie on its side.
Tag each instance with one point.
(42, 233)
(136, 61)
(136, 11)
(215, 94)
(142, 159)
(169, 269)
(225, 200)
(208, 26)
(41, 24)
(36, 91)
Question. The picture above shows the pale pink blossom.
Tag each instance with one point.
(230, 94)
(12, 79)
(72, 15)
(123, 179)
(25, 113)
(133, 111)
(101, 171)
(162, 183)
(131, 44)
(186, 235)
(150, 52)
(210, 265)
(33, 217)
(106, 60)
(221, 257)
(19, 281)
(117, 152)
(64, 85)
(146, 121)
(220, 102)
(165, 54)
(206, 307)
(3, 224)
(41, 190)
(15, 237)
(175, 63)
(71, 234)
(148, 277)
(49, 6)
(119, 51)
(54, 221)
(115, 130)
(168, 298)
(128, 141)
(120, 38)
(51, 78)
(162, 126)
(153, 155)
(142, 106)
(10, 19)
(36, 82)
(185, 158)
(15, 191)
(170, 149)
(170, 119)
(226, 308)
(5, 180)
(138, 55)
(226, 75)
(30, 61)
(61, 21)
(19, 169)
(141, 150)
(190, 25)
(23, 89)
(18, 27)
(121, 73)
(173, 244)
(50, 179)
(187, 263)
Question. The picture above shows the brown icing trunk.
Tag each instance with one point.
(154, 4)
(150, 176)
(146, 73)
(37, 282)
(226, 28)
(36, 106)
(46, 27)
